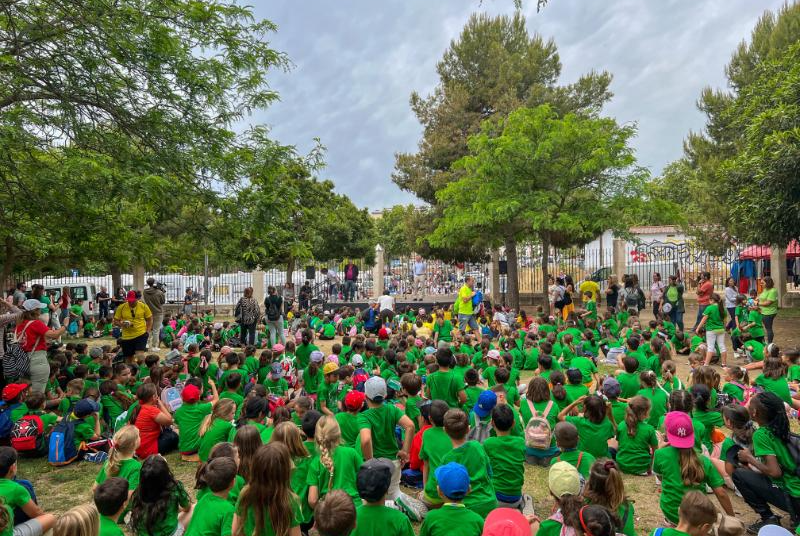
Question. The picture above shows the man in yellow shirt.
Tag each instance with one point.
(466, 314)
(590, 286)
(136, 321)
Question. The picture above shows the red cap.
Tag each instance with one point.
(383, 333)
(131, 296)
(190, 394)
(354, 400)
(506, 522)
(12, 390)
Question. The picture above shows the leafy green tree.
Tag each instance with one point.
(395, 232)
(560, 180)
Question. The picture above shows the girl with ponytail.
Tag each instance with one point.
(216, 427)
(714, 323)
(120, 459)
(605, 488)
(769, 476)
(651, 390)
(636, 438)
(337, 465)
(220, 450)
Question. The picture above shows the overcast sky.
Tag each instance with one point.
(356, 63)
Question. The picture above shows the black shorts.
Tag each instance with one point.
(131, 346)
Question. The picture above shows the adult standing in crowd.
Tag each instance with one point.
(656, 293)
(247, 313)
(48, 314)
(288, 297)
(705, 288)
(188, 301)
(420, 275)
(9, 314)
(612, 292)
(466, 312)
(136, 321)
(305, 295)
(118, 299)
(332, 281)
(731, 293)
(33, 334)
(19, 293)
(768, 302)
(273, 311)
(64, 303)
(103, 302)
(672, 301)
(155, 299)
(350, 281)
(386, 307)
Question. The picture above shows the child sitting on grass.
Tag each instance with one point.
(16, 497)
(507, 458)
(111, 498)
(374, 517)
(566, 435)
(453, 487)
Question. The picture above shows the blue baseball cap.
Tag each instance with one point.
(453, 480)
(486, 403)
(86, 407)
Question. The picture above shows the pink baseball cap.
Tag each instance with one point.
(493, 354)
(418, 343)
(506, 522)
(225, 350)
(278, 348)
(680, 433)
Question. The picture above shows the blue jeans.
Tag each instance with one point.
(676, 317)
(349, 290)
(468, 320)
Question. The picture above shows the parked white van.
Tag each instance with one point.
(86, 291)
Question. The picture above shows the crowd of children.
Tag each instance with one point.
(413, 423)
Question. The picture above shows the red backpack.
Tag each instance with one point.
(27, 436)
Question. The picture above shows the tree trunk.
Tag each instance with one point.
(545, 269)
(512, 297)
(116, 279)
(290, 269)
(10, 254)
(495, 282)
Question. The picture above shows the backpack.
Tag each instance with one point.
(538, 434)
(27, 436)
(16, 361)
(273, 309)
(62, 449)
(360, 376)
(480, 431)
(6, 424)
(632, 298)
(642, 300)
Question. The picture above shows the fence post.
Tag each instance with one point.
(777, 265)
(377, 273)
(618, 258)
(138, 277)
(257, 279)
(494, 276)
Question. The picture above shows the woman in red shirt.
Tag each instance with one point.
(149, 418)
(32, 335)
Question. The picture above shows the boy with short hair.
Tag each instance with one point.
(442, 384)
(629, 379)
(435, 444)
(374, 517)
(335, 514)
(471, 455)
(453, 487)
(507, 457)
(111, 498)
(16, 496)
(73, 395)
(567, 441)
(472, 377)
(213, 513)
(411, 384)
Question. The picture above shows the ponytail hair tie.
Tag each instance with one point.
(609, 465)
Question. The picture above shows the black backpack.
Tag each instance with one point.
(273, 308)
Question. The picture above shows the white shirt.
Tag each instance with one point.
(385, 302)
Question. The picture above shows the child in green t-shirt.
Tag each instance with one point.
(594, 426)
(696, 516)
(214, 512)
(121, 463)
(412, 385)
(605, 489)
(453, 486)
(336, 467)
(629, 378)
(506, 454)
(636, 438)
(111, 498)
(473, 391)
(566, 435)
(374, 517)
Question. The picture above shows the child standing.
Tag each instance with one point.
(453, 486)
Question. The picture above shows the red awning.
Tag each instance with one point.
(764, 252)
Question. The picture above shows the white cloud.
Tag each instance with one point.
(358, 62)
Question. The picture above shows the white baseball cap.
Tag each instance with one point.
(31, 304)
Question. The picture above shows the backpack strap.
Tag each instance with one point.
(548, 408)
(626, 515)
(580, 457)
(659, 531)
(530, 407)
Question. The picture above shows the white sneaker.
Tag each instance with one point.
(527, 505)
(413, 508)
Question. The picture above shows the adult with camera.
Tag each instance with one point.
(155, 298)
(273, 312)
(136, 321)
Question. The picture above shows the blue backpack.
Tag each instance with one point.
(62, 443)
(6, 424)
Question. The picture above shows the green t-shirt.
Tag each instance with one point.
(128, 470)
(169, 523)
(633, 454)
(212, 516)
(507, 458)
(658, 404)
(412, 410)
(778, 386)
(765, 443)
(574, 392)
(109, 527)
(473, 393)
(734, 391)
(444, 386)
(618, 410)
(481, 499)
(348, 424)
(586, 366)
(582, 461)
(84, 430)
(14, 496)
(769, 294)
(346, 463)
(216, 433)
(629, 384)
(233, 494)
(264, 431)
(19, 412)
(277, 387)
(250, 519)
(379, 519)
(756, 350)
(757, 329)
(312, 382)
(465, 307)
(445, 331)
(435, 444)
(441, 522)
(189, 417)
(667, 464)
(302, 355)
(327, 392)
(593, 437)
(381, 421)
(716, 320)
(668, 532)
